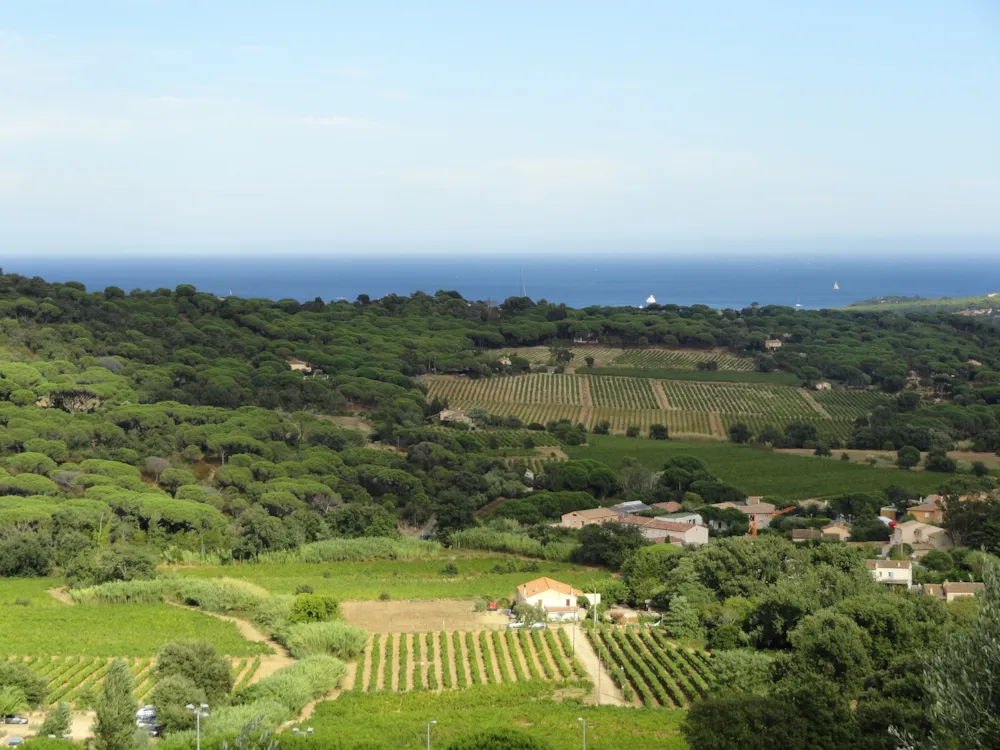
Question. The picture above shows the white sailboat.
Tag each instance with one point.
(836, 286)
(651, 300)
(798, 302)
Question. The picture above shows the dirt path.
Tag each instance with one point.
(61, 595)
(813, 402)
(462, 658)
(585, 398)
(396, 645)
(530, 652)
(545, 653)
(610, 694)
(717, 427)
(509, 673)
(364, 665)
(519, 654)
(379, 665)
(406, 670)
(661, 395)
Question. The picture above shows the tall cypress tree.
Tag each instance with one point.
(115, 727)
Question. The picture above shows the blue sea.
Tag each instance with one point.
(577, 280)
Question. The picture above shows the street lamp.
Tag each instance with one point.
(429, 725)
(583, 722)
(199, 711)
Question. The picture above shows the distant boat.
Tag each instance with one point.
(798, 302)
(836, 286)
(651, 300)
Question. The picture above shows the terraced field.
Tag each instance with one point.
(647, 359)
(77, 679)
(688, 408)
(647, 667)
(446, 660)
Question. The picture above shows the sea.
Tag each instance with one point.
(577, 280)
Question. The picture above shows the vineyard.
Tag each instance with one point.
(640, 359)
(687, 407)
(650, 669)
(77, 679)
(402, 662)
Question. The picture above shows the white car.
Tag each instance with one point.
(538, 626)
(513, 625)
(12, 719)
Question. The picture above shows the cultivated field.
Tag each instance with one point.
(646, 359)
(646, 666)
(420, 615)
(77, 679)
(455, 659)
(687, 407)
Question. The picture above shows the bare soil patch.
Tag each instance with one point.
(813, 402)
(610, 694)
(661, 396)
(717, 427)
(419, 616)
(350, 423)
(61, 595)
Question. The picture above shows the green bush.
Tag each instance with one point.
(313, 608)
(199, 663)
(294, 686)
(499, 739)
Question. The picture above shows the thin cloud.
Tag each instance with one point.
(341, 122)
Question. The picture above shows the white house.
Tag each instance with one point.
(685, 517)
(893, 572)
(658, 530)
(559, 600)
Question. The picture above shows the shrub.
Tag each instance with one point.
(632, 431)
(56, 721)
(19, 675)
(384, 596)
(294, 686)
(199, 663)
(170, 695)
(450, 570)
(499, 739)
(313, 608)
(333, 638)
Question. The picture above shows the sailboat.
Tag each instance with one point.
(836, 286)
(798, 302)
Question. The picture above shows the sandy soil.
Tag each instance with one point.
(419, 616)
(610, 694)
(61, 595)
(80, 725)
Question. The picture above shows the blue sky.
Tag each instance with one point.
(219, 125)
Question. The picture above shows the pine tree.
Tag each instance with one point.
(56, 722)
(682, 619)
(115, 726)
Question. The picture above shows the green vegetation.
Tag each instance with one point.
(380, 720)
(139, 630)
(758, 472)
(713, 376)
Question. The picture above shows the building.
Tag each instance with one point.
(838, 532)
(772, 344)
(669, 507)
(453, 416)
(823, 386)
(580, 518)
(892, 572)
(921, 537)
(949, 591)
(684, 516)
(658, 530)
(505, 361)
(630, 508)
(927, 513)
(806, 535)
(559, 600)
(298, 365)
(888, 511)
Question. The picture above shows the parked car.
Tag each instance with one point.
(13, 719)
(513, 625)
(14, 741)
(538, 626)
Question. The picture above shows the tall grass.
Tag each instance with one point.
(294, 686)
(355, 550)
(482, 538)
(332, 638)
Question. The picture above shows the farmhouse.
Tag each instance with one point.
(772, 344)
(927, 513)
(630, 508)
(806, 535)
(892, 572)
(949, 591)
(684, 516)
(838, 532)
(559, 600)
(453, 416)
(580, 518)
(921, 537)
(658, 530)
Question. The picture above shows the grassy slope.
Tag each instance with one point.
(937, 303)
(400, 720)
(401, 580)
(759, 472)
(110, 630)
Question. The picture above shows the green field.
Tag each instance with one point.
(112, 630)
(421, 579)
(35, 590)
(760, 472)
(399, 720)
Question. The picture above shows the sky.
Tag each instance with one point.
(193, 126)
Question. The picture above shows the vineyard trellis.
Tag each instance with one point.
(639, 359)
(455, 659)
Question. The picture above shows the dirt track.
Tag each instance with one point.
(420, 616)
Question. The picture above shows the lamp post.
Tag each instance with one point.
(199, 711)
(429, 725)
(583, 722)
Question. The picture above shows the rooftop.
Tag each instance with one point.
(592, 513)
(540, 585)
(888, 564)
(657, 523)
